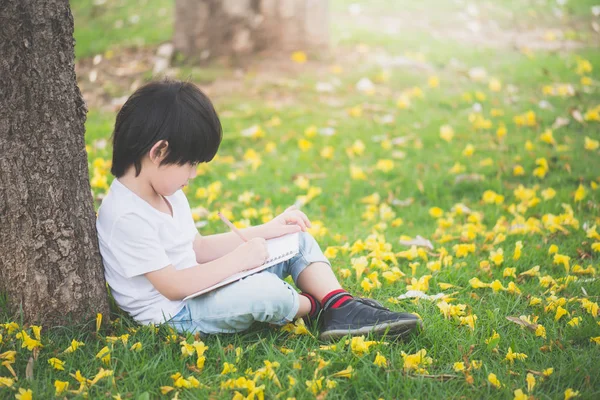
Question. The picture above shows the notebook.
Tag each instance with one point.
(280, 249)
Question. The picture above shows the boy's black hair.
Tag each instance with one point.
(170, 110)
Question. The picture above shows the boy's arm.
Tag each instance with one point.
(176, 284)
(209, 248)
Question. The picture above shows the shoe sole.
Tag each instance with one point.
(397, 329)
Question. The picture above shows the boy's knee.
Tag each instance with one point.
(307, 242)
(274, 299)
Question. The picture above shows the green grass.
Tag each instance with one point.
(421, 172)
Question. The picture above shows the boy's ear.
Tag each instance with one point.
(159, 151)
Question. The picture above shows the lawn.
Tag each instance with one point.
(432, 119)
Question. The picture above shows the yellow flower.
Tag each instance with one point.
(60, 387)
(547, 137)
(583, 66)
(570, 393)
(433, 81)
(560, 312)
(518, 248)
(104, 354)
(497, 256)
(359, 346)
(540, 331)
(345, 373)
(548, 194)
(579, 193)
(330, 384)
(494, 380)
(459, 366)
(436, 212)
(477, 284)
(98, 321)
(595, 340)
(501, 131)
(416, 362)
(24, 394)
(463, 249)
(356, 173)
(304, 144)
(542, 168)
(57, 364)
(562, 259)
(403, 102)
(299, 57)
(227, 368)
(27, 341)
(495, 85)
(422, 284)
(469, 320)
(530, 382)
(548, 371)
(511, 356)
(6, 382)
(446, 133)
(359, 265)
(380, 360)
(315, 386)
(385, 165)
(327, 152)
(497, 286)
(468, 150)
(491, 197)
(519, 395)
(574, 321)
(508, 272)
(355, 111)
(518, 170)
(591, 144)
(136, 347)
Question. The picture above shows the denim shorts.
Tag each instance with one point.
(263, 297)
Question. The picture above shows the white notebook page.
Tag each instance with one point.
(280, 249)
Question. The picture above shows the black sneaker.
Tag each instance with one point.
(363, 316)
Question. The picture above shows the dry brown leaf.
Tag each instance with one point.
(29, 369)
(403, 203)
(538, 373)
(519, 321)
(575, 113)
(468, 178)
(442, 377)
(560, 121)
(418, 241)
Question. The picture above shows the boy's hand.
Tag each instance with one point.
(290, 221)
(252, 253)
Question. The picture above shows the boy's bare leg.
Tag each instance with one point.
(304, 307)
(318, 279)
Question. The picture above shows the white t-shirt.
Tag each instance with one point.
(135, 238)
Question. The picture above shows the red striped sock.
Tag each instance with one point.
(335, 299)
(315, 307)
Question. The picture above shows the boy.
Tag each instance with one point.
(154, 256)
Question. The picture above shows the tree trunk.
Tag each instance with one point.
(230, 28)
(50, 265)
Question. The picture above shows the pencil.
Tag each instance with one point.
(232, 226)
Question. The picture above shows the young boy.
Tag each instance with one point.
(154, 256)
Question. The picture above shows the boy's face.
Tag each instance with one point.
(167, 179)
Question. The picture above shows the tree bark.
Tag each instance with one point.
(207, 29)
(50, 265)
